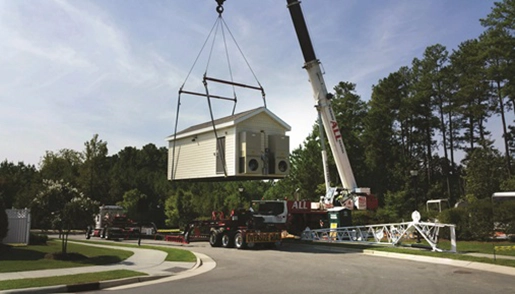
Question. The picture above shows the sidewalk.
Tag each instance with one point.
(148, 261)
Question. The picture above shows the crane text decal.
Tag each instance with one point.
(336, 130)
(299, 205)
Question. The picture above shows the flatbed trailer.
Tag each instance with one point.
(241, 230)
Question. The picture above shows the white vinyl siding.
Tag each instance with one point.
(197, 159)
(194, 159)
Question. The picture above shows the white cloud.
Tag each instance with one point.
(70, 69)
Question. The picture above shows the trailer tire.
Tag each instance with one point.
(239, 241)
(215, 240)
(227, 241)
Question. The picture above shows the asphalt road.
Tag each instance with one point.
(294, 269)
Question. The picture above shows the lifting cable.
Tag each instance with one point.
(218, 25)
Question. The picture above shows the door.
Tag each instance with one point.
(220, 156)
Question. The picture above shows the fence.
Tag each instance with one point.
(19, 226)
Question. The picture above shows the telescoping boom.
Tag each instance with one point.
(323, 103)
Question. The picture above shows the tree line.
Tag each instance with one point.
(404, 142)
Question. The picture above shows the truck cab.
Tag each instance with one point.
(272, 211)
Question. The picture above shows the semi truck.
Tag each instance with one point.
(263, 224)
(112, 223)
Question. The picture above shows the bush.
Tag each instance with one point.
(504, 217)
(385, 216)
(361, 217)
(473, 222)
(37, 239)
(4, 222)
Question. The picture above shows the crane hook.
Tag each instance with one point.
(220, 8)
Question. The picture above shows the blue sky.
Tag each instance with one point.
(71, 69)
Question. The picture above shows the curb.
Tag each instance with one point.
(480, 266)
(93, 286)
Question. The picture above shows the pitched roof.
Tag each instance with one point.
(236, 118)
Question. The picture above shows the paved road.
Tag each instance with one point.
(294, 269)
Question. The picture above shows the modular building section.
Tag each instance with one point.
(248, 145)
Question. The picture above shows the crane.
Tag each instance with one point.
(326, 116)
(323, 105)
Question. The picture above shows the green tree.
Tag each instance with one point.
(472, 96)
(124, 173)
(424, 122)
(61, 206)
(18, 183)
(94, 180)
(386, 132)
(435, 71)
(306, 171)
(136, 205)
(502, 16)
(62, 165)
(499, 44)
(144, 170)
(484, 173)
(77, 214)
(351, 113)
(178, 208)
(137, 208)
(281, 189)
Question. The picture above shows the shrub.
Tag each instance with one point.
(361, 217)
(37, 239)
(4, 222)
(473, 222)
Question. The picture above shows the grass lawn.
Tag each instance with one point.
(32, 257)
(474, 246)
(68, 280)
(174, 254)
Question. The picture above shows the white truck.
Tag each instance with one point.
(112, 223)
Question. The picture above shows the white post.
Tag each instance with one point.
(28, 220)
(453, 238)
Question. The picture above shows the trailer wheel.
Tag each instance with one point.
(239, 241)
(227, 241)
(215, 239)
